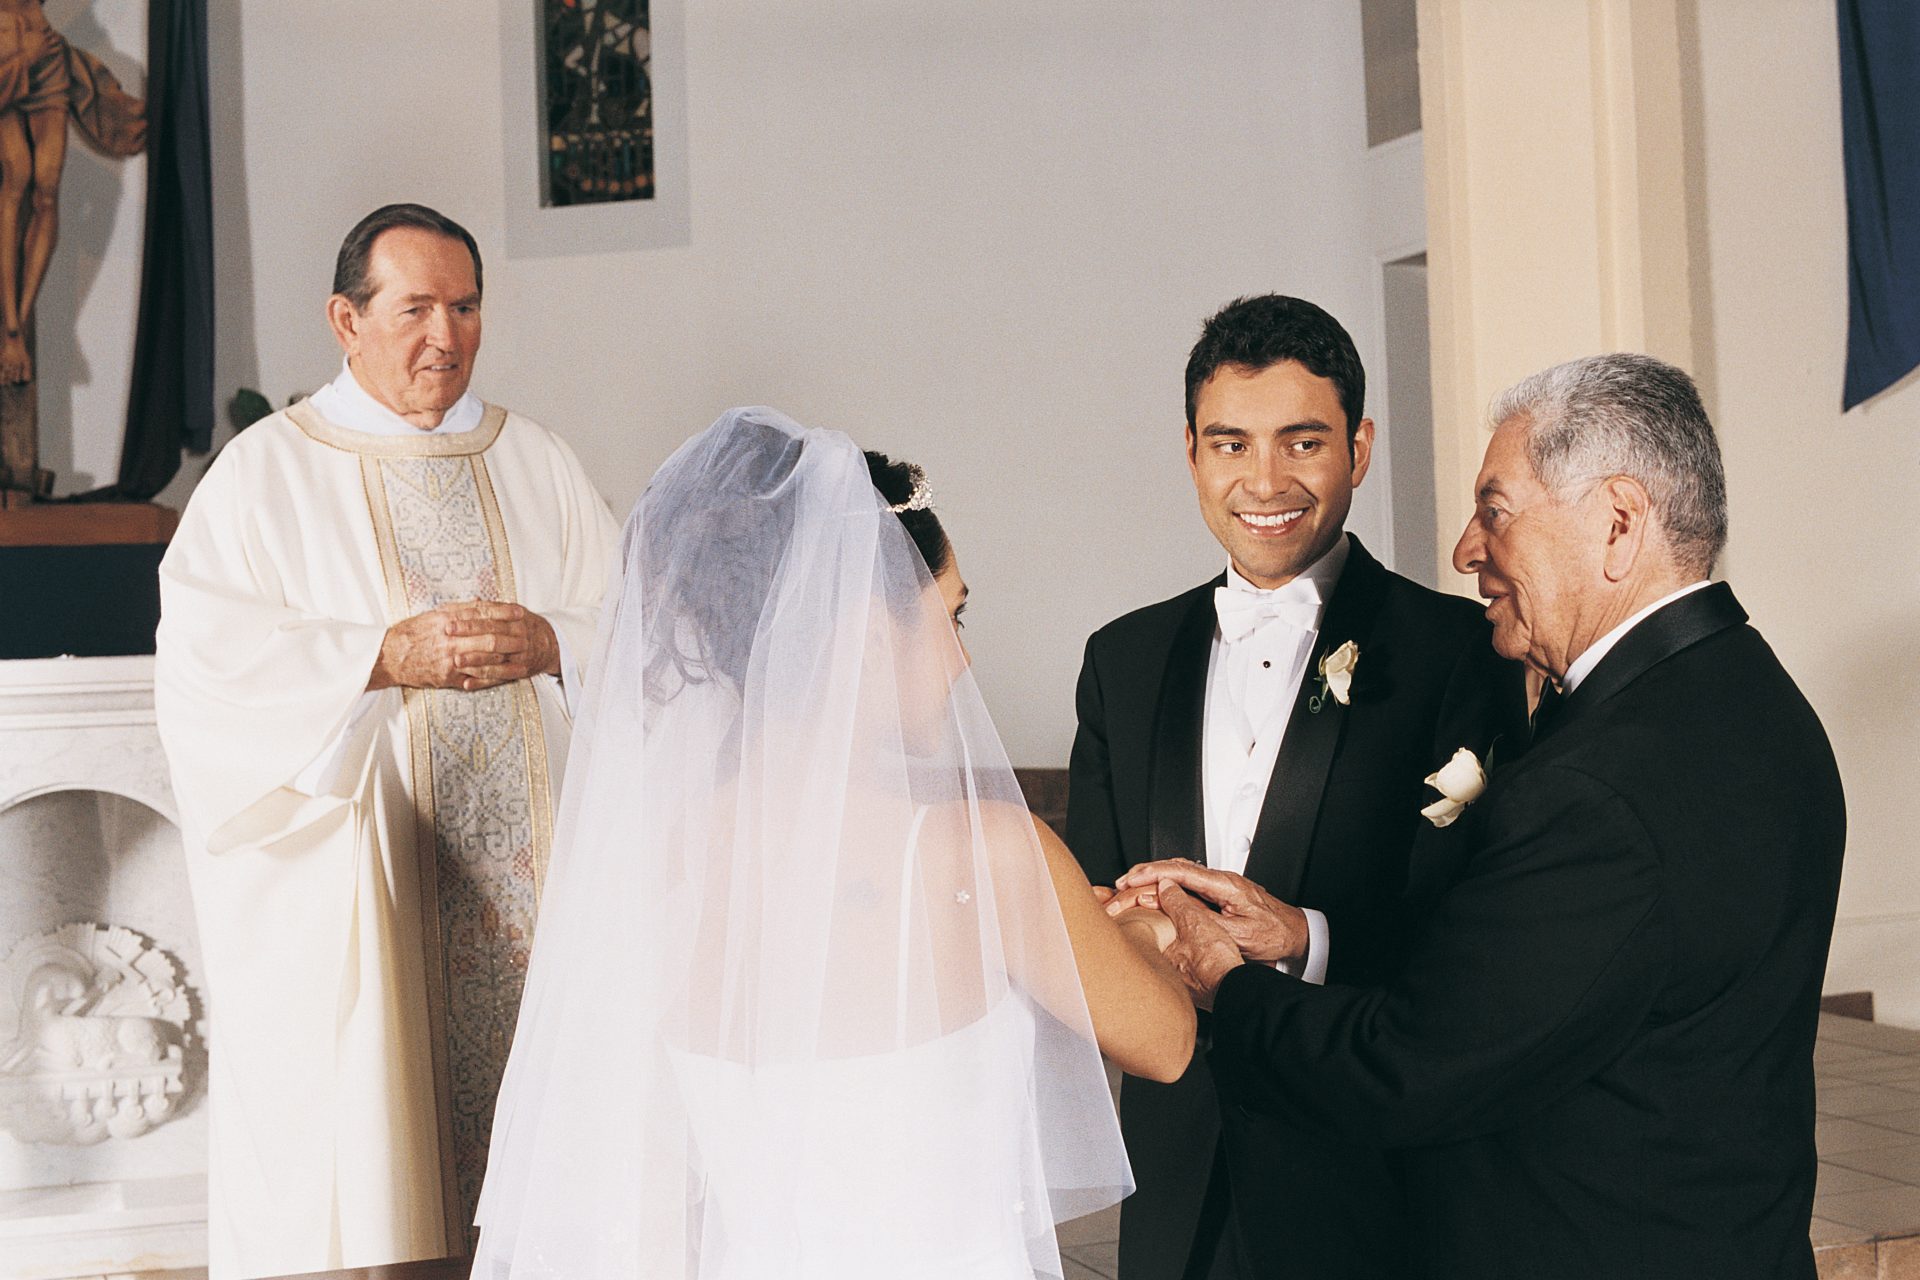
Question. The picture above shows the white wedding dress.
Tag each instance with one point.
(801, 1004)
(886, 1182)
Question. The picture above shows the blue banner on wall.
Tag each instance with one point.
(1880, 115)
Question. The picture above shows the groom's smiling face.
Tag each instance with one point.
(1274, 466)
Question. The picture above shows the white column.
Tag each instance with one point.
(1556, 204)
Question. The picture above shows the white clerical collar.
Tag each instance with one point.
(1314, 583)
(345, 403)
(1586, 662)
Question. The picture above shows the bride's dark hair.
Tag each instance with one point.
(740, 517)
(894, 480)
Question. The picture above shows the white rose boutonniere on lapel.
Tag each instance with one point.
(1336, 677)
(1459, 782)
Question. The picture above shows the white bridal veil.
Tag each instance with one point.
(801, 1002)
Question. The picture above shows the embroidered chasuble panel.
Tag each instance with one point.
(480, 791)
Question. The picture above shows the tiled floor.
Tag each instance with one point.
(1866, 1222)
(1090, 1246)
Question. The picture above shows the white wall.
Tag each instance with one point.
(981, 236)
(1823, 550)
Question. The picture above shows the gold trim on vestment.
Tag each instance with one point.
(427, 884)
(426, 844)
(374, 485)
(425, 445)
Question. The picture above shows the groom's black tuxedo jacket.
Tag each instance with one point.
(1340, 831)
(1598, 1059)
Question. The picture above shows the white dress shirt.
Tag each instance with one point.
(345, 403)
(1253, 680)
(1583, 665)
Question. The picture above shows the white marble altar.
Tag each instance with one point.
(103, 1141)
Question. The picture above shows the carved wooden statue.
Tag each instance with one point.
(44, 81)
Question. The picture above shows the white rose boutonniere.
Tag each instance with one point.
(1459, 782)
(1336, 677)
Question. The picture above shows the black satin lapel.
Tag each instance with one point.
(1680, 625)
(1176, 821)
(1283, 838)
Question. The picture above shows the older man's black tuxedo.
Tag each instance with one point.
(1597, 1061)
(1340, 831)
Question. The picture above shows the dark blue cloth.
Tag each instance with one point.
(170, 404)
(91, 602)
(1880, 114)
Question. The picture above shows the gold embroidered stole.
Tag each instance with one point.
(479, 777)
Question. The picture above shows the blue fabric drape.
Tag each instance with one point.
(170, 404)
(1880, 116)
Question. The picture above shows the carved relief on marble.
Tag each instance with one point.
(94, 1026)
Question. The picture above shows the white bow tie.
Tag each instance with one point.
(1244, 612)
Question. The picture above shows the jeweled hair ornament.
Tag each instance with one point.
(921, 499)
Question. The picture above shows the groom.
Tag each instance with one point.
(1278, 721)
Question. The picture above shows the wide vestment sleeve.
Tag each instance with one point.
(252, 678)
(564, 538)
(272, 613)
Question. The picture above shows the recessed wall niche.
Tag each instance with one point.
(103, 1054)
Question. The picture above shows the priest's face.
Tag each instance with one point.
(413, 347)
(1539, 556)
(1273, 466)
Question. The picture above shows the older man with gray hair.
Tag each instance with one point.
(1599, 1060)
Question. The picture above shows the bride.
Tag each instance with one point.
(814, 996)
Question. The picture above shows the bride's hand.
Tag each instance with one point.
(1126, 899)
(1156, 926)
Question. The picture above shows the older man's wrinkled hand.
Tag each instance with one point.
(1201, 949)
(475, 644)
(1263, 927)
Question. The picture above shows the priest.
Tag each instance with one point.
(372, 617)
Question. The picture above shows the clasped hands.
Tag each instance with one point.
(475, 644)
(1215, 920)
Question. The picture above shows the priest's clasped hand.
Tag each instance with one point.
(1263, 927)
(475, 644)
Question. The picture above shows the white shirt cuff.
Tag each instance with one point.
(1311, 967)
(320, 776)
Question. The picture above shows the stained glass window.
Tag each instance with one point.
(598, 101)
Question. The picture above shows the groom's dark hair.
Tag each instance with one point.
(1251, 334)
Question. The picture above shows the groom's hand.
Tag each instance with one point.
(1201, 949)
(1265, 928)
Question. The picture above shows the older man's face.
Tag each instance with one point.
(413, 347)
(1537, 559)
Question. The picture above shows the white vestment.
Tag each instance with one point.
(365, 939)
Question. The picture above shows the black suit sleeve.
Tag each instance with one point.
(1535, 970)
(1093, 830)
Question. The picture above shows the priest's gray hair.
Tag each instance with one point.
(1628, 415)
